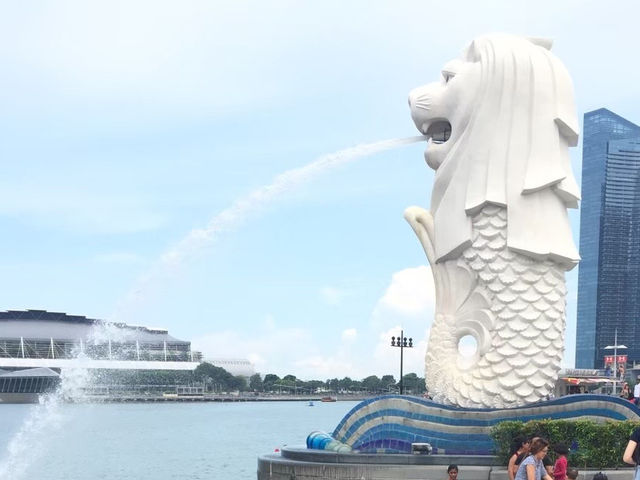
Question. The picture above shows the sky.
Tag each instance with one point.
(143, 146)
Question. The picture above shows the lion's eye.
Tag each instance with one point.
(447, 76)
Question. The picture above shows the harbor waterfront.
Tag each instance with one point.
(162, 441)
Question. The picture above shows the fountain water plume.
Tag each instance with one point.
(232, 217)
(49, 416)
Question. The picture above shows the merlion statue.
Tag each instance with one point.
(498, 238)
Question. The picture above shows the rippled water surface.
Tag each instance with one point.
(162, 441)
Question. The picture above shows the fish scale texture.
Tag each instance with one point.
(513, 305)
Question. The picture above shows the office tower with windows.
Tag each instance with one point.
(609, 274)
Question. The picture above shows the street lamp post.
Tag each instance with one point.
(402, 343)
(615, 348)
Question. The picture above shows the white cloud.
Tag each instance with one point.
(349, 335)
(256, 359)
(332, 295)
(271, 349)
(296, 351)
(387, 358)
(372, 355)
(409, 299)
(324, 367)
(299, 352)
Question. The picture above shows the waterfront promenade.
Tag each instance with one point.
(219, 397)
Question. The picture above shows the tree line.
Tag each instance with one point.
(217, 379)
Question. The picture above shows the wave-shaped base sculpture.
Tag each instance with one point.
(390, 424)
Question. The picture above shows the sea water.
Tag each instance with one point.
(162, 441)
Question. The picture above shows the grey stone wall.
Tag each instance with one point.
(372, 467)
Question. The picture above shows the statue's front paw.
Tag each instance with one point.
(421, 221)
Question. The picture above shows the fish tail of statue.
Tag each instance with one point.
(512, 305)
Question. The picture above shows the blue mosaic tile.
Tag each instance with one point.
(457, 421)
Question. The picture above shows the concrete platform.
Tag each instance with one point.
(303, 464)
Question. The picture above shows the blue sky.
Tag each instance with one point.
(126, 126)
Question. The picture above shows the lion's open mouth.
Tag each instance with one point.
(439, 131)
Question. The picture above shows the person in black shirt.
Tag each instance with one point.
(519, 450)
(632, 452)
(548, 465)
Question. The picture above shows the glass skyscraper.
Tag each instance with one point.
(609, 274)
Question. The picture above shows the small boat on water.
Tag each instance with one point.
(328, 399)
(310, 404)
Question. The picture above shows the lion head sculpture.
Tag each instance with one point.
(500, 122)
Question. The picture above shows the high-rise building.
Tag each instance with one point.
(609, 275)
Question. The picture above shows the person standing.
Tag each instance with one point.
(636, 392)
(560, 467)
(548, 465)
(531, 467)
(519, 449)
(632, 452)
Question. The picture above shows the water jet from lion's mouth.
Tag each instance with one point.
(242, 209)
(439, 131)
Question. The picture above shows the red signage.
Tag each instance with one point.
(608, 360)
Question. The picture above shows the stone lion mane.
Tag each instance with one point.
(513, 153)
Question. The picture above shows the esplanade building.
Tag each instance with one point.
(37, 338)
(36, 345)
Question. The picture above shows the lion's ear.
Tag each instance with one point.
(541, 42)
(470, 52)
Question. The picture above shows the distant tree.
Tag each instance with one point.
(290, 378)
(345, 383)
(255, 382)
(333, 384)
(286, 383)
(218, 378)
(238, 382)
(413, 384)
(371, 383)
(142, 377)
(356, 386)
(268, 381)
(386, 381)
(313, 385)
(409, 382)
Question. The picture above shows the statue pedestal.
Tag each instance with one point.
(305, 464)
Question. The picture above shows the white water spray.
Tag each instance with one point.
(231, 218)
(49, 416)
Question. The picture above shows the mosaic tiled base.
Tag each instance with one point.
(390, 424)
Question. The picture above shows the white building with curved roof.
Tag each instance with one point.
(36, 345)
(37, 338)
